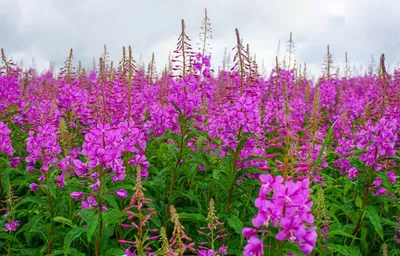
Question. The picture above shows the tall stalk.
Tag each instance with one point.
(234, 169)
(178, 161)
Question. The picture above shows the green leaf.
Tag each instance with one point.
(114, 252)
(385, 181)
(215, 174)
(247, 170)
(375, 220)
(342, 233)
(113, 216)
(92, 225)
(358, 201)
(31, 199)
(111, 200)
(64, 221)
(242, 142)
(196, 217)
(26, 252)
(105, 239)
(235, 223)
(255, 158)
(325, 143)
(9, 237)
(5, 177)
(347, 187)
(344, 250)
(292, 247)
(52, 188)
(364, 244)
(71, 236)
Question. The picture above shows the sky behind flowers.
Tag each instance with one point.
(46, 29)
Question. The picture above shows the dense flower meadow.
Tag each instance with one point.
(122, 161)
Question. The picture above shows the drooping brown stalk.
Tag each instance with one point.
(328, 63)
(291, 51)
(183, 54)
(241, 60)
(205, 34)
(103, 93)
(152, 70)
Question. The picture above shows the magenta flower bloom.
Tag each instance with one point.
(308, 241)
(205, 252)
(292, 229)
(392, 176)
(287, 194)
(268, 182)
(352, 173)
(12, 226)
(249, 232)
(223, 249)
(33, 186)
(14, 162)
(77, 195)
(121, 193)
(30, 169)
(5, 141)
(254, 247)
(380, 191)
(60, 182)
(89, 203)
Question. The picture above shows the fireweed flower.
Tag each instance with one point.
(76, 195)
(60, 182)
(14, 162)
(121, 193)
(378, 140)
(254, 247)
(352, 173)
(11, 226)
(10, 93)
(397, 236)
(42, 145)
(5, 141)
(288, 209)
(33, 186)
(89, 203)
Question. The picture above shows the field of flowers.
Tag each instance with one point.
(125, 160)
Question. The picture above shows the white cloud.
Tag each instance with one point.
(46, 29)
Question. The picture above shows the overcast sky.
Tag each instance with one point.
(47, 29)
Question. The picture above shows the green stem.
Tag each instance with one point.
(247, 203)
(51, 217)
(182, 142)
(236, 156)
(99, 198)
(9, 249)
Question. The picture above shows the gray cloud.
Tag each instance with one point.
(46, 29)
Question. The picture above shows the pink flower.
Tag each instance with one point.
(89, 203)
(249, 232)
(60, 182)
(77, 195)
(292, 229)
(14, 162)
(223, 249)
(205, 252)
(352, 173)
(392, 176)
(33, 186)
(254, 247)
(12, 226)
(121, 193)
(380, 191)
